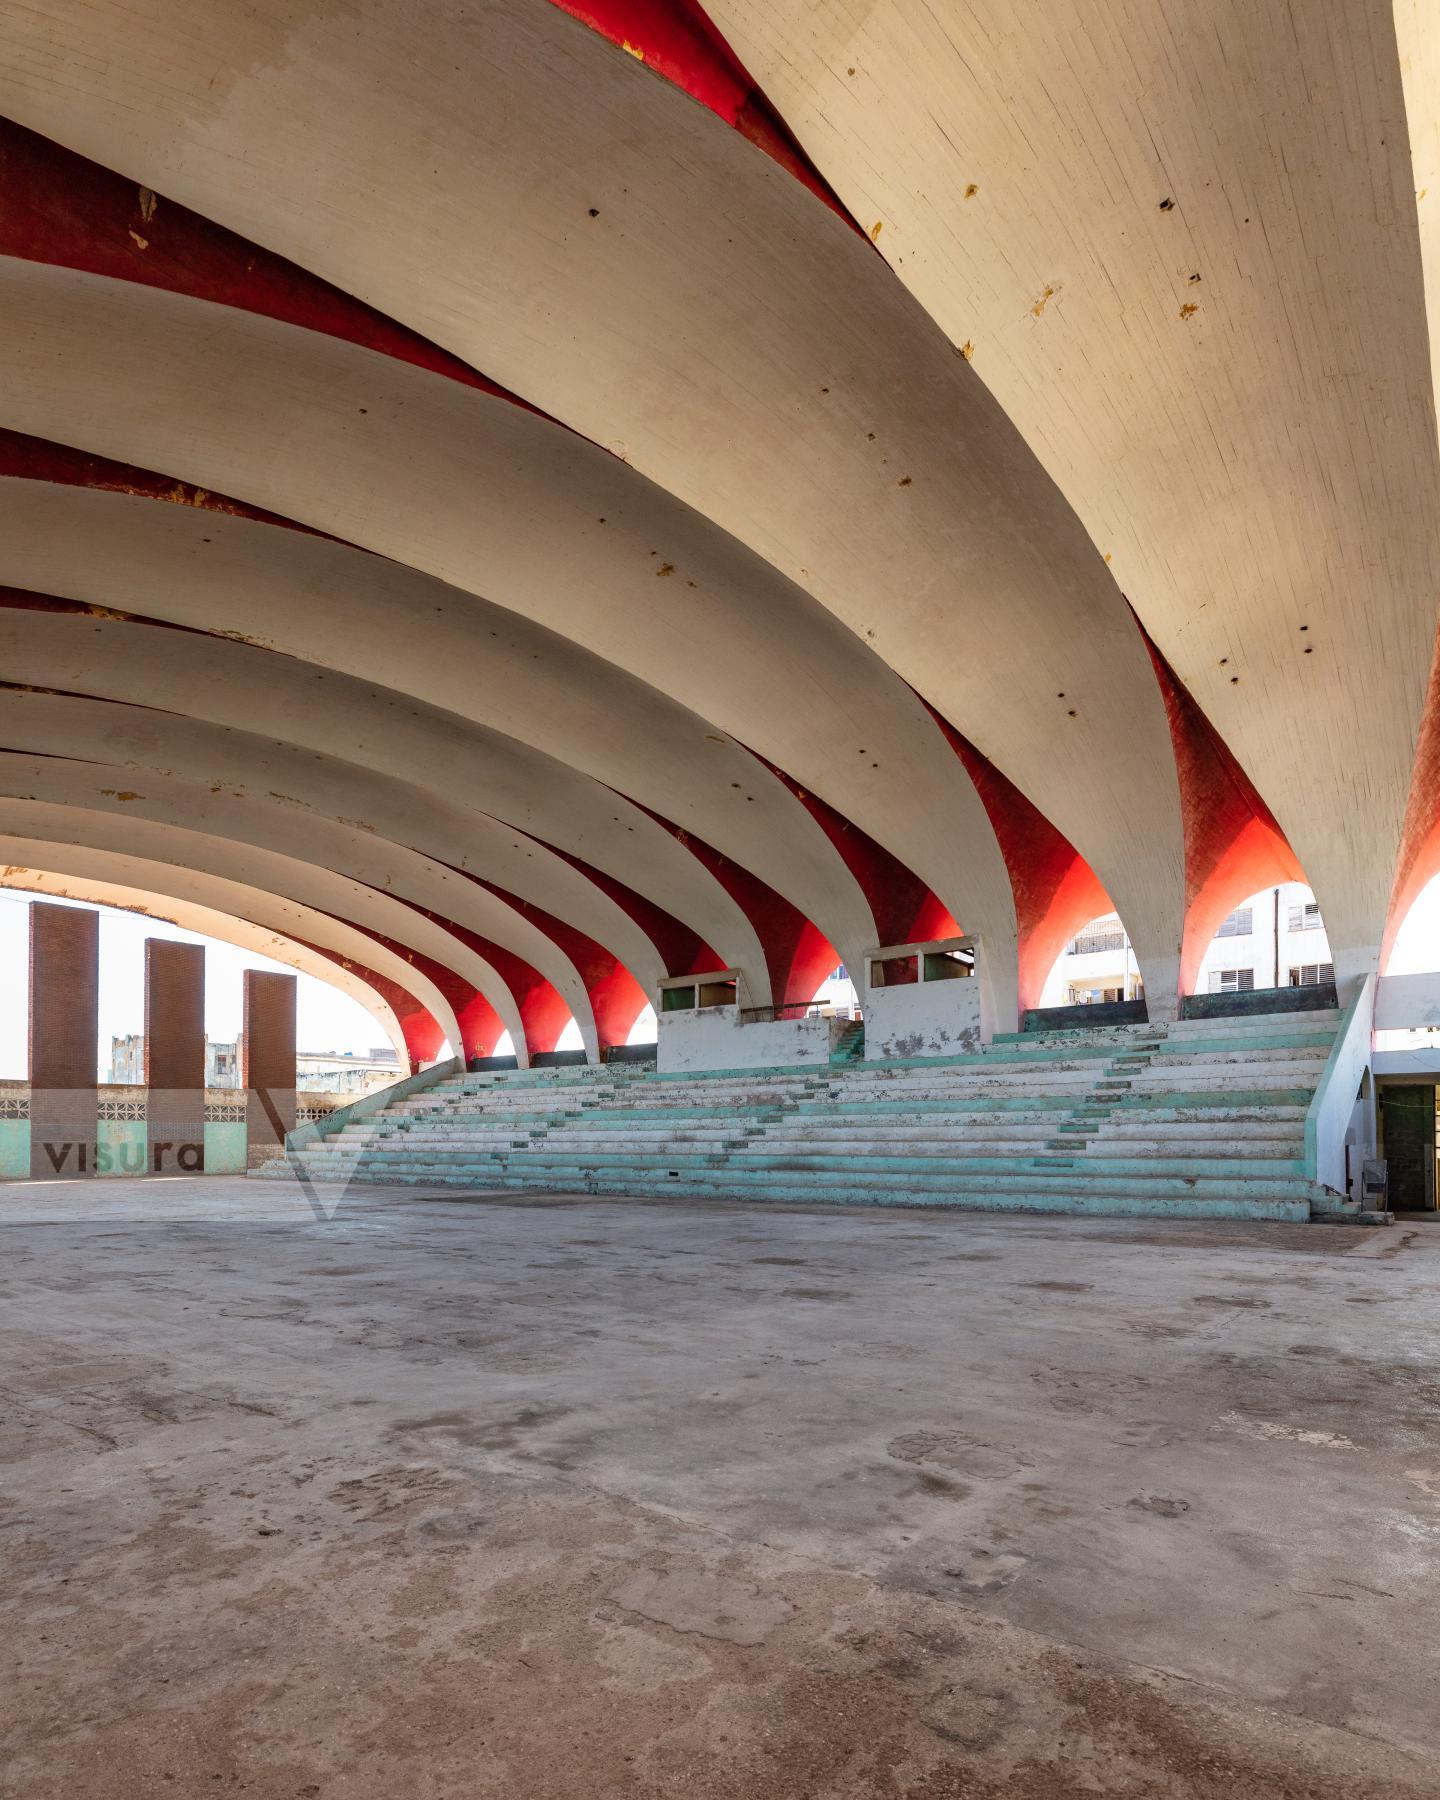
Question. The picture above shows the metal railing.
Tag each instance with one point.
(1097, 940)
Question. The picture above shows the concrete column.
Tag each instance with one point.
(267, 1066)
(174, 1057)
(64, 1017)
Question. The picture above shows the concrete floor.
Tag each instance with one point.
(456, 1497)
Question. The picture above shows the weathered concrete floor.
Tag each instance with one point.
(448, 1498)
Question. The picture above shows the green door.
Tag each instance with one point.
(1407, 1122)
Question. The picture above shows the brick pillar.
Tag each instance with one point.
(175, 1057)
(267, 1067)
(64, 1018)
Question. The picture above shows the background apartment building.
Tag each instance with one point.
(1277, 939)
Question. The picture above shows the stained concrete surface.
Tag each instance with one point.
(462, 1496)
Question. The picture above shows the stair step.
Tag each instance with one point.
(1204, 1121)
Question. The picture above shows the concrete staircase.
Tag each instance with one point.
(1203, 1118)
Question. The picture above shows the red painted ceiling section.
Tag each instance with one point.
(1056, 891)
(37, 459)
(797, 955)
(481, 1027)
(423, 1035)
(473, 1012)
(544, 1013)
(27, 600)
(1233, 846)
(682, 950)
(615, 995)
(677, 39)
(57, 207)
(903, 908)
(1419, 859)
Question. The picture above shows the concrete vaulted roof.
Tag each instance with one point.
(613, 543)
(104, 885)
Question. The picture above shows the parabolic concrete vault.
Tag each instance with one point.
(553, 513)
(572, 496)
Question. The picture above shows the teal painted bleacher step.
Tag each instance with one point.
(850, 1046)
(1205, 1118)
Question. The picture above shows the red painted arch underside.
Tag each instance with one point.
(679, 41)
(1233, 845)
(903, 909)
(798, 956)
(424, 1037)
(616, 997)
(1056, 891)
(1419, 860)
(58, 207)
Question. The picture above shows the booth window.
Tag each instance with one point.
(894, 971)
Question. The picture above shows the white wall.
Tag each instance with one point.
(1094, 969)
(713, 1037)
(1336, 1115)
(1256, 950)
(1407, 1002)
(924, 1018)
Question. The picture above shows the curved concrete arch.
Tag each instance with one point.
(1210, 331)
(225, 928)
(112, 732)
(268, 824)
(377, 728)
(62, 803)
(670, 292)
(331, 603)
(701, 619)
(23, 841)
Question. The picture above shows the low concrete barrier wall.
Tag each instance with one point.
(716, 1037)
(922, 1018)
(1332, 1117)
(1086, 1018)
(375, 1101)
(127, 1123)
(1256, 1002)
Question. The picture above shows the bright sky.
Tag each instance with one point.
(326, 1019)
